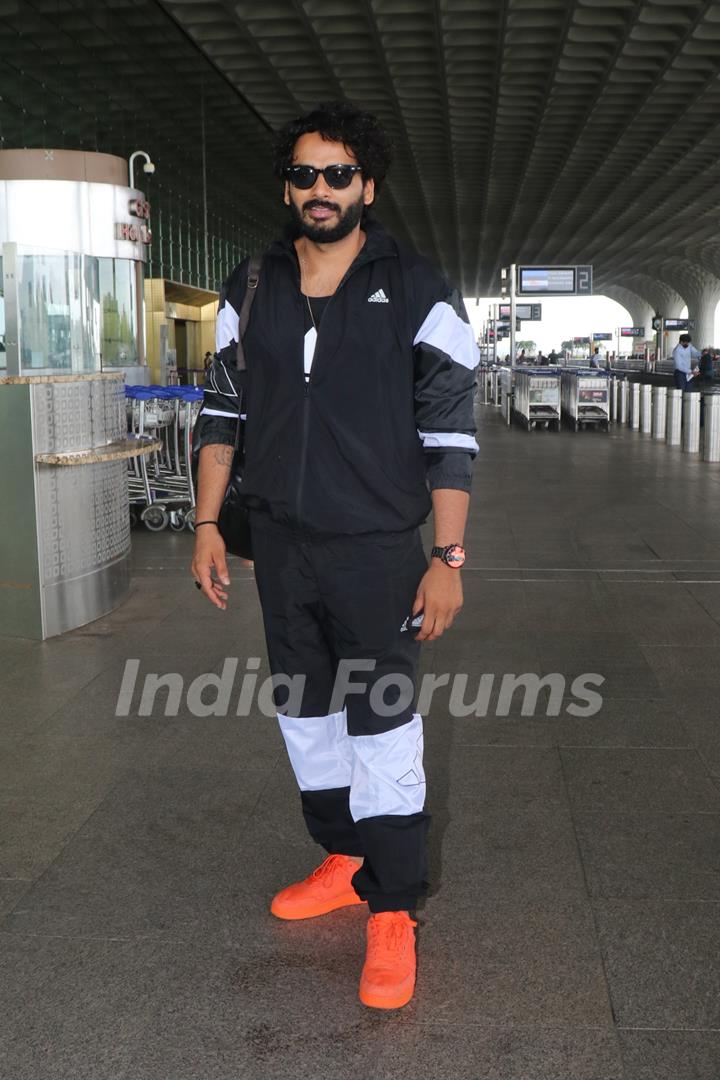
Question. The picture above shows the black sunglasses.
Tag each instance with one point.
(336, 176)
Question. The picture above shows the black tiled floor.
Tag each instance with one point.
(571, 930)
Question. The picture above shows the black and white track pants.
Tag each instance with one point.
(334, 607)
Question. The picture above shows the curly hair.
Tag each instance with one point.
(339, 121)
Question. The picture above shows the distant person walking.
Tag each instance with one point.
(684, 356)
(707, 368)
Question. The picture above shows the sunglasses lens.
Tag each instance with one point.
(302, 176)
(338, 176)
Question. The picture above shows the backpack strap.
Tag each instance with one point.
(253, 279)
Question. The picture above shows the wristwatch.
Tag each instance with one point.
(453, 555)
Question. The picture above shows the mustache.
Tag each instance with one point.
(312, 204)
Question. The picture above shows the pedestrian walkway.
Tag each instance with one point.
(573, 926)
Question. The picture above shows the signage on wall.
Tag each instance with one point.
(139, 208)
(136, 232)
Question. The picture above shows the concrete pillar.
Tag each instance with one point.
(701, 290)
(664, 299)
(638, 307)
(702, 305)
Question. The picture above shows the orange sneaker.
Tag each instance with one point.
(388, 977)
(328, 888)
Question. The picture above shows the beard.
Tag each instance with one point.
(324, 234)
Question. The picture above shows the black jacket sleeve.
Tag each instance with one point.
(446, 355)
(224, 384)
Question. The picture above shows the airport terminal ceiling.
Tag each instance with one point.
(532, 131)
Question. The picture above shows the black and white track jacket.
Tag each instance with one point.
(387, 413)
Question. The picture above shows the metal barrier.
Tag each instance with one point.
(687, 419)
(613, 399)
(659, 412)
(505, 392)
(691, 423)
(624, 401)
(673, 431)
(492, 387)
(635, 406)
(489, 388)
(711, 441)
(646, 409)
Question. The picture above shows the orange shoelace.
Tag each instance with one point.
(388, 934)
(326, 871)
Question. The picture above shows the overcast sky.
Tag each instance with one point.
(576, 316)
(563, 318)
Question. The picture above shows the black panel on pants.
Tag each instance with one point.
(341, 598)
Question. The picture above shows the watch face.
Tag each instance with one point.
(455, 556)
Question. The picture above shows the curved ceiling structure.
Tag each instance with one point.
(526, 131)
(535, 131)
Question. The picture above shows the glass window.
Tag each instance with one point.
(117, 285)
(50, 312)
(75, 313)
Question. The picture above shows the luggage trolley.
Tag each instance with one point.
(161, 490)
(586, 397)
(537, 397)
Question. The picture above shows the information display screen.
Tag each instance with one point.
(554, 280)
(632, 331)
(546, 279)
(602, 337)
(526, 312)
(676, 324)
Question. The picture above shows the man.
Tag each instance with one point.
(707, 368)
(684, 356)
(360, 373)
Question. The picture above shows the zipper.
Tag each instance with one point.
(306, 396)
(303, 453)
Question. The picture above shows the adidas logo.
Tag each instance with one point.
(378, 297)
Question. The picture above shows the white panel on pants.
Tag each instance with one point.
(387, 772)
(319, 749)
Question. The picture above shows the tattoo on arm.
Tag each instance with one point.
(223, 455)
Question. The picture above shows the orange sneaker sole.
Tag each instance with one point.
(312, 911)
(393, 999)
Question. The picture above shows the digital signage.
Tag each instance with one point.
(554, 281)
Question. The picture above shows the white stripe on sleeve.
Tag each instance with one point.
(227, 326)
(219, 412)
(441, 440)
(445, 330)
